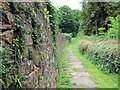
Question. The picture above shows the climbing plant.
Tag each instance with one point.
(11, 57)
(6, 65)
(19, 41)
(54, 21)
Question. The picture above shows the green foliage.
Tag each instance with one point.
(105, 56)
(54, 21)
(62, 79)
(112, 31)
(76, 69)
(69, 20)
(36, 37)
(19, 41)
(6, 68)
(6, 65)
(94, 15)
(11, 57)
(46, 12)
(101, 79)
(19, 81)
(101, 31)
(113, 27)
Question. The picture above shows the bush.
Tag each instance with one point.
(105, 55)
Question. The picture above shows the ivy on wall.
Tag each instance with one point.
(11, 58)
(19, 41)
(53, 16)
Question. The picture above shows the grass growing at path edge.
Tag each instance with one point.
(62, 80)
(101, 79)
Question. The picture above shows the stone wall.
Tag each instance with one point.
(26, 23)
(61, 40)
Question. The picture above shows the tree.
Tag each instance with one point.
(69, 20)
(94, 15)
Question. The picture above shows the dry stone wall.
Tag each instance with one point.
(26, 31)
(61, 40)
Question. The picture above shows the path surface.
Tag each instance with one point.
(81, 78)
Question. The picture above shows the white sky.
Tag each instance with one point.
(73, 4)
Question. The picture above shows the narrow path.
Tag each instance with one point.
(81, 78)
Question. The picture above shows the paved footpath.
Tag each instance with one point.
(81, 78)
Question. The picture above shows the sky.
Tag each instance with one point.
(73, 4)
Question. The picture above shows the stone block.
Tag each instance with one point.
(10, 18)
(7, 36)
(28, 27)
(37, 58)
(32, 79)
(24, 68)
(3, 44)
(29, 40)
(5, 26)
(5, 6)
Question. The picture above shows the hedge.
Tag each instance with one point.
(105, 55)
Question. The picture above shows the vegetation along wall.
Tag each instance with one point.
(26, 46)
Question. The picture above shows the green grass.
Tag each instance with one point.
(101, 79)
(76, 69)
(62, 79)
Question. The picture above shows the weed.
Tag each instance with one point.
(63, 76)
(76, 69)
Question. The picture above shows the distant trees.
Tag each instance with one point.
(69, 20)
(95, 15)
(92, 20)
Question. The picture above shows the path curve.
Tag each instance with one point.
(81, 78)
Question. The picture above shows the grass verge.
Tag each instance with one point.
(101, 79)
(62, 79)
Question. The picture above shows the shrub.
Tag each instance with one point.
(105, 55)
